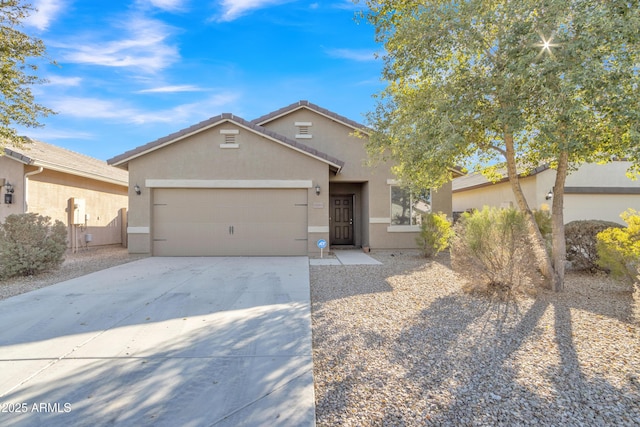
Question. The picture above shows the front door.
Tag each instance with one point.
(341, 220)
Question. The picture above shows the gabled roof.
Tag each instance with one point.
(41, 154)
(477, 180)
(122, 159)
(313, 107)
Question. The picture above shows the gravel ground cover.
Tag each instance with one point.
(85, 261)
(400, 344)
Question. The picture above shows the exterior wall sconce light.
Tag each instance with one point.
(549, 195)
(317, 189)
(8, 196)
(136, 188)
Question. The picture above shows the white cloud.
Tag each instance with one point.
(168, 5)
(46, 11)
(121, 112)
(92, 108)
(191, 113)
(233, 9)
(48, 134)
(348, 5)
(172, 89)
(144, 47)
(63, 81)
(360, 55)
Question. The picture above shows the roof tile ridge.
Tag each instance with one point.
(86, 156)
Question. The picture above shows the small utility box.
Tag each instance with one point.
(79, 211)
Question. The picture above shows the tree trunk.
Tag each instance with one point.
(558, 243)
(538, 245)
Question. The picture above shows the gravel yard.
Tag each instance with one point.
(401, 345)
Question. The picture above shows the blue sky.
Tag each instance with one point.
(129, 72)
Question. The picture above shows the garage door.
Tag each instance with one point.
(229, 222)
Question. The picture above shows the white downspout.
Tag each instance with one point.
(26, 186)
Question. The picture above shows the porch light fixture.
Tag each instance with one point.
(8, 196)
(549, 195)
(317, 189)
(136, 188)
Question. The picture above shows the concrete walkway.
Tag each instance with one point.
(346, 257)
(162, 342)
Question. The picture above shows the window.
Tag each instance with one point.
(407, 208)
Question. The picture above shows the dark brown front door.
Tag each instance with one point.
(341, 220)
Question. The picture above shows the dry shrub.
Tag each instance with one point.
(491, 250)
(581, 240)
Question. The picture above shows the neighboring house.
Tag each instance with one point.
(272, 186)
(594, 191)
(45, 179)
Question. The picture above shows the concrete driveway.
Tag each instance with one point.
(162, 342)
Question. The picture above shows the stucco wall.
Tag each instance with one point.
(606, 207)
(50, 191)
(501, 195)
(585, 193)
(611, 174)
(200, 157)
(47, 193)
(332, 138)
(11, 171)
(339, 141)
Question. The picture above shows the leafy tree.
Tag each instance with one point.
(488, 83)
(17, 103)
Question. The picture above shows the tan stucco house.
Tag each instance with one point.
(275, 185)
(593, 191)
(85, 193)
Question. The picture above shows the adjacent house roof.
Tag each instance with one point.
(41, 154)
(308, 105)
(123, 159)
(477, 180)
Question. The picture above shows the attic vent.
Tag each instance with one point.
(303, 130)
(229, 138)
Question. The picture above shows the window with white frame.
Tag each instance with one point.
(408, 208)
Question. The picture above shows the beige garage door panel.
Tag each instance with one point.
(220, 222)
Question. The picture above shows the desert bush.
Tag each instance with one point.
(30, 244)
(435, 234)
(619, 248)
(580, 237)
(491, 250)
(543, 219)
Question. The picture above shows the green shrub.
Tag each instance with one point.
(619, 248)
(435, 234)
(491, 250)
(30, 244)
(543, 219)
(580, 237)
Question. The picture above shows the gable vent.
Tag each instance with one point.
(304, 131)
(229, 138)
